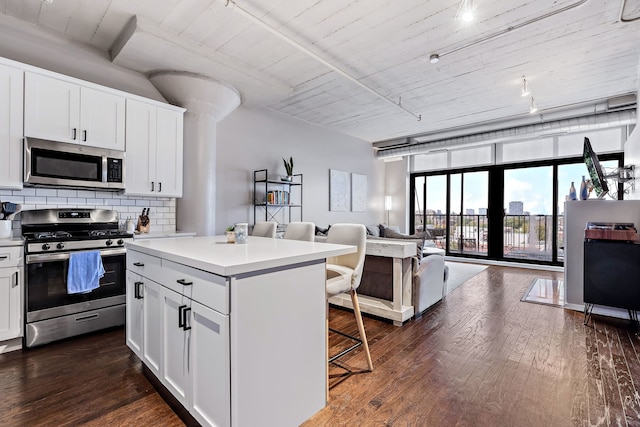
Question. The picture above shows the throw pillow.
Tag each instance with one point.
(373, 230)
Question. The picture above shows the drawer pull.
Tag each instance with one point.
(184, 282)
(181, 319)
(138, 264)
(17, 280)
(185, 313)
(137, 286)
(3, 257)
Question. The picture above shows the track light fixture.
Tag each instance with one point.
(434, 58)
(532, 106)
(465, 11)
(526, 90)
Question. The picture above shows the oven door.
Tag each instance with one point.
(46, 285)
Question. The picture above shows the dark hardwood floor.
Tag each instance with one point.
(479, 358)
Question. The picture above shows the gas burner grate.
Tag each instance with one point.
(100, 233)
(52, 234)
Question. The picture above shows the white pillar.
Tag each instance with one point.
(207, 102)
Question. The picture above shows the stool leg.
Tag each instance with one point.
(363, 336)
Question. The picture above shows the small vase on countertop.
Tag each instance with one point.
(572, 192)
(584, 194)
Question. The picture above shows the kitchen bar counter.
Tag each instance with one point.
(215, 255)
(235, 332)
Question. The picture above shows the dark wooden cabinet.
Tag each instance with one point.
(612, 274)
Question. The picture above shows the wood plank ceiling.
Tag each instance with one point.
(574, 57)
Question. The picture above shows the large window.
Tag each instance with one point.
(510, 212)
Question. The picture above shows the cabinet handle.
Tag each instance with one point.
(184, 282)
(159, 187)
(181, 316)
(16, 274)
(73, 133)
(136, 290)
(84, 135)
(138, 264)
(3, 257)
(152, 186)
(185, 313)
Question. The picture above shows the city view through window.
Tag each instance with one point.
(527, 224)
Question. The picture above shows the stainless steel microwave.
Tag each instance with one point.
(72, 165)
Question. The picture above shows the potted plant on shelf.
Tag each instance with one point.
(231, 234)
(288, 165)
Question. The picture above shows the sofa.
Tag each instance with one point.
(428, 279)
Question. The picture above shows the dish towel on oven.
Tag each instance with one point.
(85, 271)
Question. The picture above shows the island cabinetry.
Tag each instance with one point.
(11, 101)
(184, 343)
(154, 150)
(68, 112)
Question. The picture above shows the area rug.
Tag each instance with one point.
(545, 291)
(460, 272)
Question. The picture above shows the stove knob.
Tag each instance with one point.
(120, 242)
(60, 246)
(46, 247)
(109, 242)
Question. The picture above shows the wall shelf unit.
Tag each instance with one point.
(275, 199)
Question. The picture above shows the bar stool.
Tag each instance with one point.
(264, 229)
(344, 274)
(304, 231)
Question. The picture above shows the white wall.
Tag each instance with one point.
(250, 139)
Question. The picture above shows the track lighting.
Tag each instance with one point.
(526, 90)
(465, 11)
(532, 106)
(434, 58)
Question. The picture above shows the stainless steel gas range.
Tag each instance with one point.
(51, 235)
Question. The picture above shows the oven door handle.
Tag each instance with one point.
(32, 259)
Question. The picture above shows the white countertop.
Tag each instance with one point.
(391, 248)
(143, 236)
(214, 254)
(15, 241)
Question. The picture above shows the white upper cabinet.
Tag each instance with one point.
(11, 96)
(102, 118)
(154, 150)
(67, 112)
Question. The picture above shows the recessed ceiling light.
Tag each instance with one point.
(47, 1)
(434, 58)
(465, 11)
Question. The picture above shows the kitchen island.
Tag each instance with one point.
(236, 333)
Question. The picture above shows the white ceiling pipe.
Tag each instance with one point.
(579, 124)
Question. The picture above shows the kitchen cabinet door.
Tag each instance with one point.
(11, 107)
(102, 117)
(51, 108)
(152, 338)
(140, 132)
(169, 153)
(11, 280)
(135, 289)
(209, 366)
(176, 336)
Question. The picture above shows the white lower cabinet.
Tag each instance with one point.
(183, 342)
(11, 288)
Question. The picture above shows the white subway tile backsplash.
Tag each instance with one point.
(162, 210)
(46, 192)
(67, 193)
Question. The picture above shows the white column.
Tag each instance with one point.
(207, 102)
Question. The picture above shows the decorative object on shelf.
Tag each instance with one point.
(241, 231)
(584, 194)
(288, 166)
(572, 192)
(231, 234)
(143, 221)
